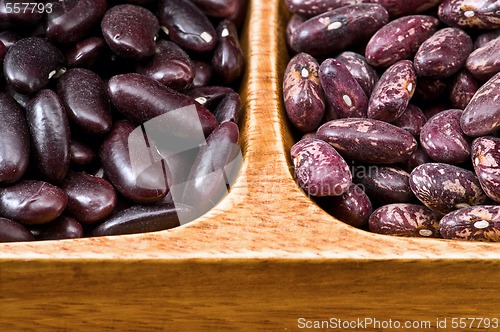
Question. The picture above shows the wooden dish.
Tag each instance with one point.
(262, 259)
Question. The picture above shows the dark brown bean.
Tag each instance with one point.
(359, 68)
(228, 60)
(463, 88)
(12, 19)
(352, 207)
(202, 74)
(397, 8)
(430, 90)
(229, 108)
(484, 62)
(386, 185)
(320, 169)
(412, 120)
(209, 96)
(60, 229)
(485, 38)
(475, 223)
(81, 154)
(217, 8)
(86, 54)
(11, 231)
(470, 14)
(485, 154)
(368, 140)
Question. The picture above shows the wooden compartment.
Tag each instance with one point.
(262, 259)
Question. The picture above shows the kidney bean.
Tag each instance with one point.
(315, 7)
(228, 61)
(81, 154)
(239, 14)
(217, 8)
(9, 38)
(387, 185)
(130, 31)
(170, 65)
(405, 219)
(229, 109)
(444, 188)
(485, 38)
(393, 91)
(209, 96)
(412, 120)
(50, 135)
(485, 154)
(475, 223)
(368, 140)
(292, 25)
(345, 95)
(86, 53)
(484, 62)
(443, 140)
(397, 8)
(32, 202)
(62, 228)
(186, 25)
(359, 68)
(10, 19)
(202, 74)
(399, 39)
(463, 88)
(320, 169)
(434, 109)
(302, 93)
(419, 157)
(339, 29)
(30, 63)
(470, 14)
(11, 231)
(352, 207)
(482, 114)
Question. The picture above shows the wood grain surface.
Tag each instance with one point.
(260, 260)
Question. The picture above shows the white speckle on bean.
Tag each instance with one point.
(206, 37)
(409, 87)
(347, 100)
(469, 13)
(224, 33)
(304, 73)
(201, 100)
(334, 25)
(425, 232)
(480, 224)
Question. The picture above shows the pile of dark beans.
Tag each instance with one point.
(396, 108)
(93, 92)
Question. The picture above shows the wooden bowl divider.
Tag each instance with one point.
(261, 259)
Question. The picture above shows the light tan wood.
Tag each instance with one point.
(260, 260)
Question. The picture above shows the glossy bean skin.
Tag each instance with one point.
(302, 93)
(32, 202)
(475, 223)
(187, 26)
(419, 157)
(90, 199)
(86, 53)
(115, 154)
(479, 14)
(393, 91)
(14, 135)
(202, 74)
(316, 7)
(485, 38)
(11, 231)
(320, 170)
(339, 29)
(429, 90)
(399, 39)
(228, 109)
(228, 60)
(81, 154)
(443, 54)
(209, 96)
(142, 219)
(50, 135)
(70, 22)
(217, 8)
(62, 228)
(444, 188)
(485, 155)
(404, 219)
(141, 98)
(396, 8)
(83, 93)
(292, 25)
(482, 114)
(9, 38)
(345, 95)
(484, 62)
(169, 65)
(368, 140)
(239, 15)
(352, 207)
(412, 120)
(360, 69)
(11, 20)
(463, 88)
(386, 185)
(130, 31)
(443, 140)
(29, 64)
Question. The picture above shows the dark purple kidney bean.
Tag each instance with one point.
(485, 154)
(32, 202)
(50, 135)
(469, 14)
(84, 95)
(86, 54)
(475, 223)
(3, 51)
(320, 169)
(130, 31)
(398, 8)
(81, 154)
(170, 66)
(405, 219)
(386, 185)
(209, 96)
(443, 140)
(434, 109)
(344, 93)
(9, 38)
(202, 74)
(115, 155)
(484, 62)
(339, 29)
(462, 89)
(484, 38)
(292, 25)
(412, 120)
(399, 39)
(310, 8)
(482, 114)
(429, 90)
(11, 231)
(392, 92)
(30, 63)
(62, 228)
(444, 188)
(90, 199)
(368, 140)
(14, 135)
(302, 93)
(217, 8)
(71, 21)
(186, 25)
(143, 219)
(228, 60)
(443, 54)
(352, 207)
(228, 109)
(13, 14)
(419, 157)
(359, 68)
(238, 16)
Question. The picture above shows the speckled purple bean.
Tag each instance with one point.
(360, 69)
(397, 8)
(310, 8)
(405, 219)
(470, 14)
(386, 185)
(292, 25)
(475, 223)
(462, 89)
(320, 169)
(485, 154)
(485, 38)
(419, 157)
(484, 62)
(444, 188)
(412, 120)
(352, 207)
